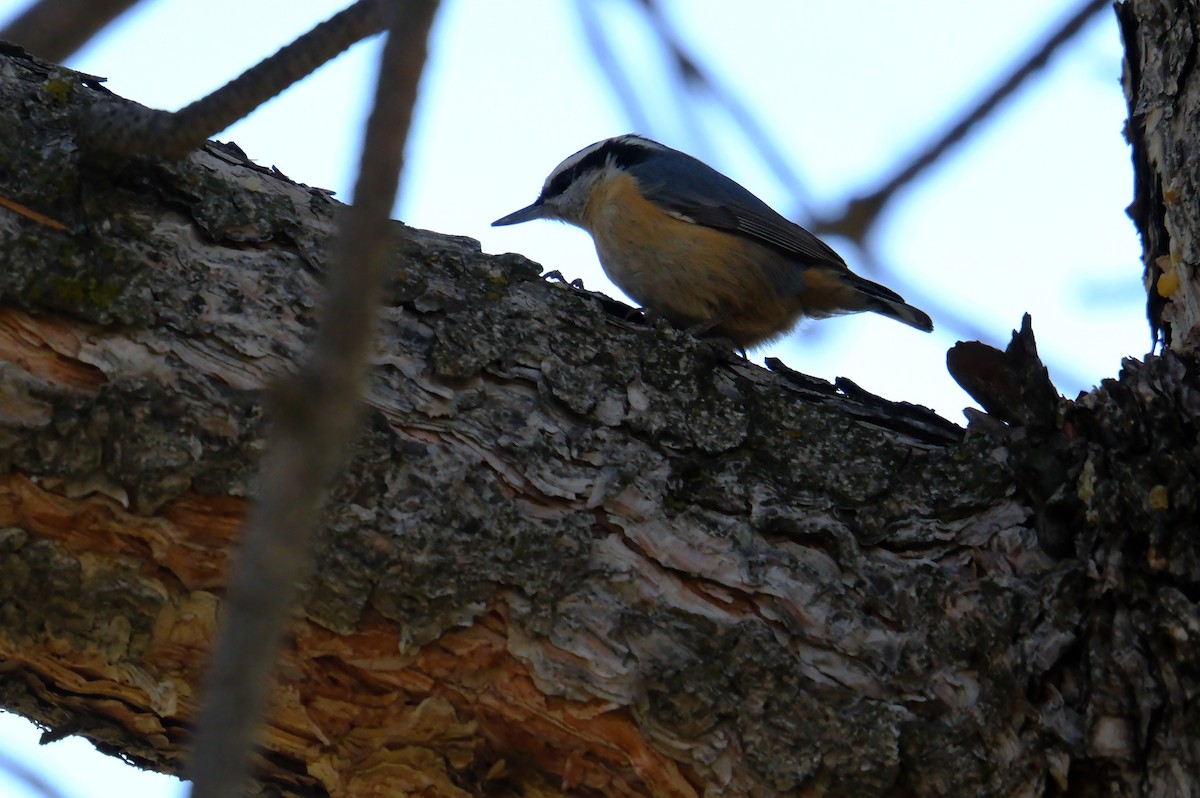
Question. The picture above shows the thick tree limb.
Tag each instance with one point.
(571, 554)
(1160, 58)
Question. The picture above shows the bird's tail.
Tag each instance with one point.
(886, 302)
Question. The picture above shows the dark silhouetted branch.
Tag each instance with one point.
(54, 29)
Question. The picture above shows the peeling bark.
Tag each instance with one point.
(571, 554)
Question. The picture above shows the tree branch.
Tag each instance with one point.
(570, 553)
(55, 29)
(124, 128)
(861, 213)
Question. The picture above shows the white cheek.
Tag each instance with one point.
(570, 206)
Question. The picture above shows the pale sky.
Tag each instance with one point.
(1026, 216)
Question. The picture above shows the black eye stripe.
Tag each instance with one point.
(559, 184)
(624, 153)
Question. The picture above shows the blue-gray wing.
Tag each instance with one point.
(686, 186)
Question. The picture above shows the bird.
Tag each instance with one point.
(692, 246)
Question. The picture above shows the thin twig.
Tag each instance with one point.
(54, 29)
(596, 38)
(699, 79)
(28, 777)
(128, 129)
(30, 213)
(314, 421)
(862, 213)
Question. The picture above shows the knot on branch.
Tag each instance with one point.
(1014, 385)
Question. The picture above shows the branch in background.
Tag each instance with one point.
(128, 129)
(700, 81)
(862, 213)
(54, 29)
(315, 419)
(27, 777)
(606, 60)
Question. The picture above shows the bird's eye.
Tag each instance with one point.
(557, 185)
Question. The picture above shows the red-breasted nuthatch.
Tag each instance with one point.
(691, 245)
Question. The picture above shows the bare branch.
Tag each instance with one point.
(127, 129)
(54, 29)
(314, 422)
(698, 79)
(861, 213)
(28, 777)
(593, 34)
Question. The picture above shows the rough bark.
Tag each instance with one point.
(572, 554)
(1164, 130)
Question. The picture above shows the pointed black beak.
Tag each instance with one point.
(535, 211)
